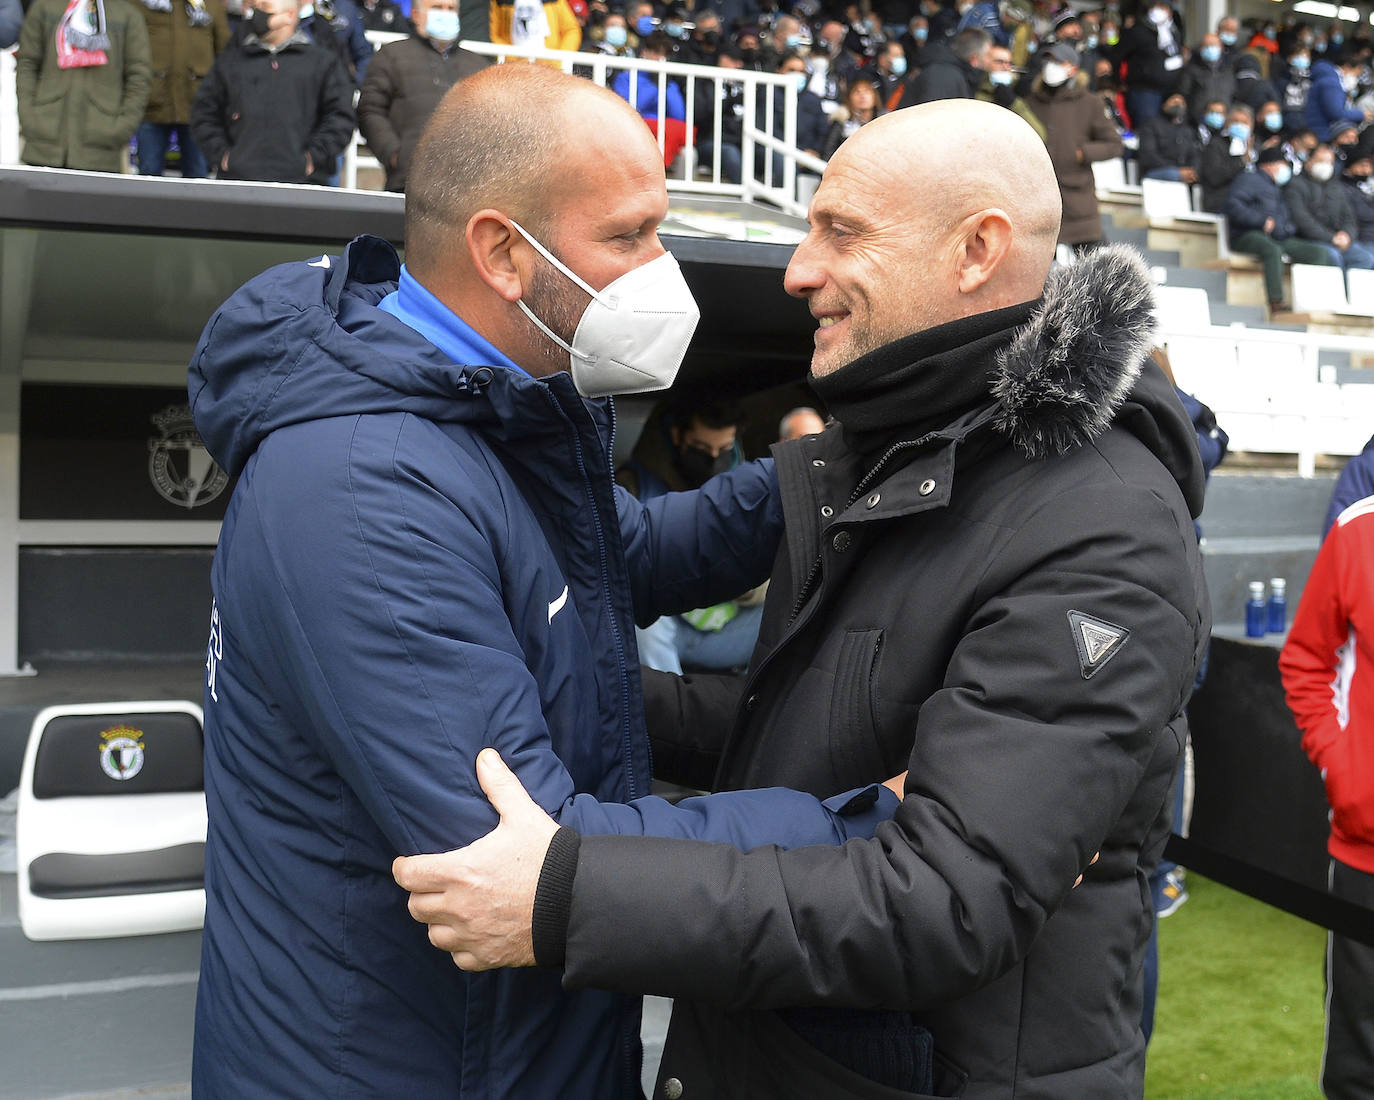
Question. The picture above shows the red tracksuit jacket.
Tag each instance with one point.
(1327, 666)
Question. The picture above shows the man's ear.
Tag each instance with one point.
(490, 239)
(985, 244)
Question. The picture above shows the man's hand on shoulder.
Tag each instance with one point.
(479, 901)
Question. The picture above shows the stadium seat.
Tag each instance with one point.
(111, 821)
(1165, 198)
(1360, 284)
(1182, 307)
(1318, 289)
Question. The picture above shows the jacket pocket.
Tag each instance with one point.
(102, 129)
(855, 751)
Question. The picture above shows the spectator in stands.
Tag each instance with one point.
(723, 100)
(11, 20)
(952, 71)
(913, 43)
(551, 25)
(1321, 210)
(1206, 78)
(275, 106)
(1345, 135)
(1327, 666)
(1228, 34)
(1252, 89)
(405, 83)
(1170, 148)
(685, 442)
(611, 38)
(1225, 157)
(1262, 226)
(787, 35)
(811, 119)
(339, 25)
(800, 421)
(1299, 148)
(1359, 189)
(981, 15)
(860, 106)
(889, 73)
(1078, 132)
(385, 16)
(183, 39)
(1294, 89)
(822, 61)
(703, 47)
(999, 86)
(1212, 122)
(674, 25)
(1152, 52)
(82, 79)
(1334, 80)
(643, 94)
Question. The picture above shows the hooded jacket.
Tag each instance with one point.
(1327, 101)
(1003, 594)
(942, 76)
(1076, 120)
(423, 557)
(1253, 199)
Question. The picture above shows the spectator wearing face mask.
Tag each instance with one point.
(1212, 122)
(914, 42)
(1321, 211)
(1359, 190)
(1078, 133)
(1169, 145)
(1269, 122)
(1295, 88)
(1152, 51)
(1334, 80)
(612, 38)
(1225, 157)
(951, 71)
(405, 83)
(1298, 149)
(811, 117)
(999, 86)
(1206, 77)
(703, 46)
(1262, 226)
(889, 72)
(1228, 34)
(643, 94)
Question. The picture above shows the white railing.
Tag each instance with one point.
(773, 145)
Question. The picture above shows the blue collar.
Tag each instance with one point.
(413, 304)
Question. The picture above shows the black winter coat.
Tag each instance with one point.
(1202, 83)
(1168, 144)
(403, 85)
(942, 76)
(1360, 194)
(1254, 198)
(1007, 600)
(1219, 168)
(1147, 66)
(268, 111)
(1319, 210)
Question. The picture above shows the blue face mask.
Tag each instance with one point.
(1337, 39)
(1239, 131)
(1214, 119)
(794, 41)
(1300, 63)
(441, 25)
(1273, 122)
(801, 80)
(1211, 54)
(1227, 38)
(645, 24)
(898, 66)
(675, 30)
(616, 36)
(920, 34)
(1283, 175)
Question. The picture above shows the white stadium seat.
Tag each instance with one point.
(1318, 289)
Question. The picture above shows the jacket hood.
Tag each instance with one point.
(1078, 365)
(304, 341)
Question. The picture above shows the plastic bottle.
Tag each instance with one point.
(1256, 612)
(1278, 606)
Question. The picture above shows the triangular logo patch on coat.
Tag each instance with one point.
(1097, 640)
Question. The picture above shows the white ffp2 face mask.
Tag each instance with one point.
(634, 333)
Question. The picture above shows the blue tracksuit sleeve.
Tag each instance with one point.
(409, 651)
(687, 550)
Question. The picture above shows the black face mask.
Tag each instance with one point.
(1173, 112)
(697, 466)
(748, 56)
(260, 23)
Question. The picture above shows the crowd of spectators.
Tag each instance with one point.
(263, 89)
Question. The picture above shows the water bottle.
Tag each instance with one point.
(1278, 606)
(1256, 613)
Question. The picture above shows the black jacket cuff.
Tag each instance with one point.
(553, 899)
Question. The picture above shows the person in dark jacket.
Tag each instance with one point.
(424, 555)
(1151, 50)
(1206, 78)
(1170, 148)
(1252, 89)
(861, 106)
(1355, 482)
(184, 38)
(406, 81)
(990, 558)
(339, 25)
(811, 119)
(386, 16)
(1261, 225)
(1358, 180)
(1225, 157)
(1295, 88)
(719, 118)
(1334, 80)
(952, 71)
(275, 107)
(1321, 211)
(1078, 132)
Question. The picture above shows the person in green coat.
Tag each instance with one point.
(82, 79)
(184, 37)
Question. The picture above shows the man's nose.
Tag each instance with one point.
(803, 276)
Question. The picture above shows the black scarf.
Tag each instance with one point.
(920, 383)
